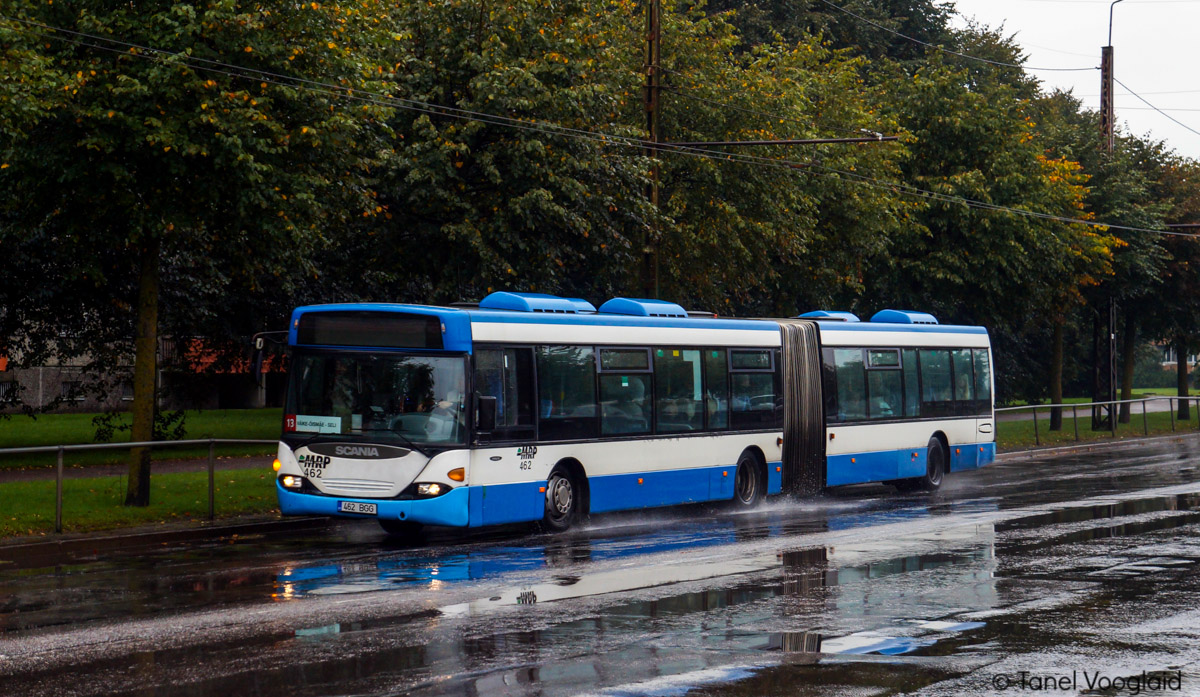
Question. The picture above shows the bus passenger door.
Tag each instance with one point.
(504, 472)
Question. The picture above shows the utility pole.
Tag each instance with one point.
(1104, 327)
(653, 90)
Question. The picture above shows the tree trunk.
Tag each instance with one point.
(1182, 374)
(1128, 349)
(1056, 370)
(145, 366)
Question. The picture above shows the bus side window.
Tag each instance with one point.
(678, 401)
(964, 382)
(829, 386)
(912, 390)
(566, 392)
(752, 394)
(626, 384)
(851, 384)
(884, 384)
(507, 375)
(937, 392)
(716, 389)
(983, 382)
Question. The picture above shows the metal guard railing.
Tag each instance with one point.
(1112, 405)
(212, 444)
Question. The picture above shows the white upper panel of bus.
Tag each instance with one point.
(894, 335)
(591, 334)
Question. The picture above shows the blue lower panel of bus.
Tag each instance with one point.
(966, 457)
(522, 502)
(450, 509)
(627, 491)
(884, 465)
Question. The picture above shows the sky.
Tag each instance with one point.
(1156, 53)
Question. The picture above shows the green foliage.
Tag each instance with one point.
(487, 146)
(239, 175)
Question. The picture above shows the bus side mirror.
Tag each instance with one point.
(485, 413)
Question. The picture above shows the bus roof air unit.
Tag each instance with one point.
(639, 307)
(831, 315)
(535, 302)
(903, 317)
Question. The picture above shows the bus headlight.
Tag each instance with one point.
(430, 489)
(290, 482)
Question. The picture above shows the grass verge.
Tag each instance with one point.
(95, 503)
(1019, 435)
(62, 429)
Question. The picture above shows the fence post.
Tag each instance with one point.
(1037, 439)
(212, 452)
(1171, 404)
(1145, 422)
(58, 484)
(1075, 418)
(1112, 418)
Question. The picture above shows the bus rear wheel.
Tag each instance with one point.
(562, 501)
(749, 485)
(935, 466)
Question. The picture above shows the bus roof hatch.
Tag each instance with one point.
(903, 317)
(535, 302)
(836, 315)
(639, 307)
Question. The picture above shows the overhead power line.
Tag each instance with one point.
(1147, 103)
(330, 89)
(877, 25)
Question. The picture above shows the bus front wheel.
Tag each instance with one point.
(749, 485)
(562, 501)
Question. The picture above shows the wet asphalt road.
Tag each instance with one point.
(1076, 567)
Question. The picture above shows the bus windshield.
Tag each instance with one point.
(381, 396)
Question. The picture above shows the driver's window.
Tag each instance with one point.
(507, 375)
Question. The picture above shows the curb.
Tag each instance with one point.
(1032, 453)
(21, 553)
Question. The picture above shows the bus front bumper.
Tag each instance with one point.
(450, 509)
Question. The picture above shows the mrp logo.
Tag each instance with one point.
(356, 451)
(313, 461)
(527, 452)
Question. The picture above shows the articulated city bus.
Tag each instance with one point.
(536, 408)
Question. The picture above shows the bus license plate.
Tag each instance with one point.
(356, 507)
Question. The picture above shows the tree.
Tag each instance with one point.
(186, 155)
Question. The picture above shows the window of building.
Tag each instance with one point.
(71, 390)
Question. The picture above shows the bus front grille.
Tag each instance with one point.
(356, 486)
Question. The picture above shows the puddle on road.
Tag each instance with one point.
(872, 617)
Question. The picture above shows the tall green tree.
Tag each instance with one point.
(159, 140)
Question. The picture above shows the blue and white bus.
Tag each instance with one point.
(530, 407)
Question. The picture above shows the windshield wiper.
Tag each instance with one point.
(399, 435)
